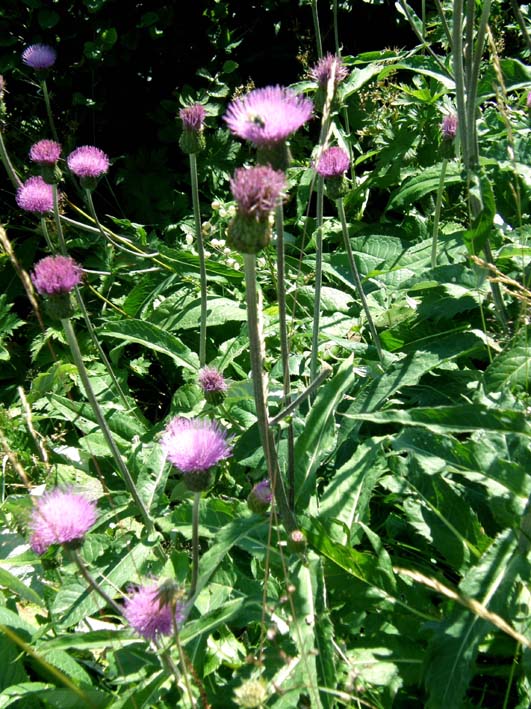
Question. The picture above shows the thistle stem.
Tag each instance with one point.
(318, 277)
(201, 254)
(294, 405)
(102, 423)
(357, 280)
(317, 29)
(4, 157)
(284, 344)
(255, 340)
(94, 585)
(195, 543)
(46, 95)
(437, 215)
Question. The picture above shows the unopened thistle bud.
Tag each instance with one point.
(252, 694)
(332, 165)
(260, 497)
(213, 385)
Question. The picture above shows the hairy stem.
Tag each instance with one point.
(4, 157)
(357, 280)
(49, 113)
(318, 277)
(195, 543)
(102, 423)
(94, 585)
(437, 215)
(201, 253)
(255, 343)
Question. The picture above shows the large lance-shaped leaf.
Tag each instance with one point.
(424, 183)
(454, 647)
(512, 367)
(453, 419)
(318, 435)
(154, 338)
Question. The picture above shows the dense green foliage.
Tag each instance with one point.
(412, 474)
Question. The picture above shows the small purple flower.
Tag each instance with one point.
(449, 127)
(193, 117)
(45, 152)
(269, 115)
(195, 445)
(322, 71)
(333, 162)
(39, 56)
(35, 196)
(88, 161)
(257, 190)
(146, 612)
(528, 101)
(55, 275)
(260, 497)
(213, 384)
(59, 517)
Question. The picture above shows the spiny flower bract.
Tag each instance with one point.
(59, 517)
(195, 445)
(269, 115)
(333, 162)
(148, 614)
(257, 190)
(39, 56)
(54, 275)
(45, 152)
(35, 196)
(88, 161)
(322, 70)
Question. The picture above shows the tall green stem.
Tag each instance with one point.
(201, 253)
(284, 344)
(4, 157)
(102, 423)
(257, 368)
(317, 29)
(318, 277)
(74, 554)
(49, 109)
(438, 203)
(357, 280)
(195, 543)
(336, 28)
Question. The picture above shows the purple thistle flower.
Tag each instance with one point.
(39, 56)
(35, 196)
(260, 497)
(213, 384)
(195, 445)
(45, 152)
(528, 101)
(146, 612)
(269, 115)
(60, 517)
(88, 161)
(55, 275)
(322, 71)
(193, 117)
(333, 162)
(257, 190)
(449, 127)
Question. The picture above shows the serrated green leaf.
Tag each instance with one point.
(511, 367)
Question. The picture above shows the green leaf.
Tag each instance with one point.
(453, 649)
(154, 338)
(19, 588)
(512, 367)
(453, 419)
(427, 181)
(23, 691)
(319, 432)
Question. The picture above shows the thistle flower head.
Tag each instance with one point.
(449, 127)
(194, 447)
(35, 196)
(193, 117)
(213, 384)
(88, 161)
(60, 517)
(257, 190)
(252, 694)
(260, 497)
(528, 100)
(322, 70)
(147, 612)
(45, 152)
(39, 56)
(55, 275)
(268, 116)
(333, 162)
